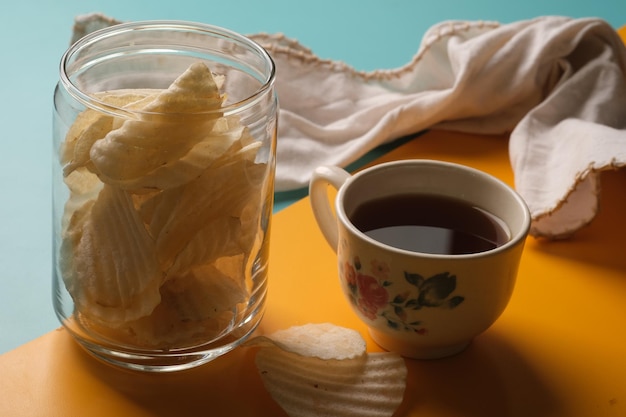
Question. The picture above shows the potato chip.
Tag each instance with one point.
(111, 266)
(203, 207)
(84, 186)
(195, 91)
(181, 169)
(314, 388)
(74, 218)
(202, 293)
(179, 253)
(197, 306)
(305, 385)
(321, 340)
(76, 152)
(169, 127)
(203, 220)
(90, 126)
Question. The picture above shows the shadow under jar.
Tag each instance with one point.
(163, 182)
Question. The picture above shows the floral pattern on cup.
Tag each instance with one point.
(373, 294)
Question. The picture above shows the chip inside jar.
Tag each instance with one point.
(163, 215)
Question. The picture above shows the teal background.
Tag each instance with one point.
(365, 34)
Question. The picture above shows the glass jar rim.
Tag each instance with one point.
(95, 36)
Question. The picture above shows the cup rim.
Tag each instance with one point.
(515, 239)
(120, 28)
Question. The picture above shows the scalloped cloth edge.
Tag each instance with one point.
(556, 84)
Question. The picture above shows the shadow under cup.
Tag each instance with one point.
(425, 305)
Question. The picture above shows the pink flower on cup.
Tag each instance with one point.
(372, 296)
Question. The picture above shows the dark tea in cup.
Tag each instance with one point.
(430, 223)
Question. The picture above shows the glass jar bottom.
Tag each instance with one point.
(163, 360)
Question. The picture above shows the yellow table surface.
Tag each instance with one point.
(559, 349)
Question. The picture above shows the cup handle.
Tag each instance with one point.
(318, 192)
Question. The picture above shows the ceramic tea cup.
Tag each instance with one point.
(427, 251)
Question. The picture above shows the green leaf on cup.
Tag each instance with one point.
(435, 290)
(454, 301)
(414, 279)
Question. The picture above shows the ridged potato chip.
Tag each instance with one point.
(110, 264)
(91, 126)
(309, 372)
(179, 254)
(202, 220)
(169, 127)
(325, 341)
(315, 388)
(189, 166)
(197, 306)
(84, 187)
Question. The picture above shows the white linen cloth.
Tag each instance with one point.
(558, 85)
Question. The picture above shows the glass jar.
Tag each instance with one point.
(163, 183)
